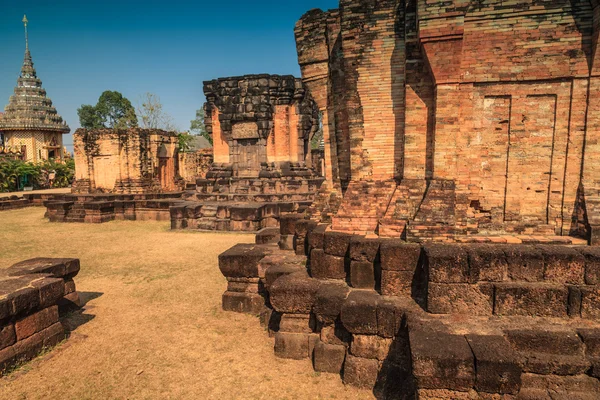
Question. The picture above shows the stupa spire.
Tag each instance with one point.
(25, 22)
(29, 108)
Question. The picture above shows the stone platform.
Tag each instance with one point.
(100, 208)
(428, 321)
(243, 204)
(34, 294)
(13, 203)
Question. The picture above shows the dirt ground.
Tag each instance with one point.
(152, 327)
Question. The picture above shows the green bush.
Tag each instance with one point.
(14, 172)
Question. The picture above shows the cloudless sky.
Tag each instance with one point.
(82, 48)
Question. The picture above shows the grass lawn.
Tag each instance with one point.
(152, 327)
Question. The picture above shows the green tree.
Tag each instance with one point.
(113, 110)
(198, 126)
(89, 117)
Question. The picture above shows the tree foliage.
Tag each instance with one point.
(198, 126)
(113, 111)
(151, 114)
(11, 171)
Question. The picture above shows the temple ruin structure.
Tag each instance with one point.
(34, 294)
(463, 119)
(261, 127)
(125, 161)
(452, 251)
(30, 125)
(258, 170)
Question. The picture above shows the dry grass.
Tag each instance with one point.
(153, 326)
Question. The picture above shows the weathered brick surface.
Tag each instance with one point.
(31, 296)
(488, 100)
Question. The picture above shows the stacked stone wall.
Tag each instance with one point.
(495, 99)
(424, 320)
(33, 296)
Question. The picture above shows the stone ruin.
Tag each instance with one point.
(260, 169)
(261, 127)
(487, 108)
(462, 264)
(125, 161)
(34, 294)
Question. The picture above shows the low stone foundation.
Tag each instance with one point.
(13, 203)
(95, 208)
(427, 321)
(33, 295)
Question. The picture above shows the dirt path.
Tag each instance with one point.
(152, 327)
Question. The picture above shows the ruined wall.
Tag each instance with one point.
(194, 165)
(125, 161)
(259, 119)
(495, 98)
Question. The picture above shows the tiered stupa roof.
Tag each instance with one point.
(29, 109)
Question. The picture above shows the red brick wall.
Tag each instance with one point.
(491, 96)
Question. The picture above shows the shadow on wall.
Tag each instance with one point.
(419, 82)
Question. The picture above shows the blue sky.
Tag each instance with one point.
(81, 48)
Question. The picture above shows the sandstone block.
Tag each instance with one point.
(316, 237)
(337, 243)
(360, 372)
(498, 368)
(525, 263)
(531, 299)
(247, 303)
(359, 312)
(563, 265)
(51, 289)
(297, 323)
(362, 274)
(370, 346)
(276, 271)
(397, 283)
(36, 322)
(390, 315)
(329, 357)
(327, 266)
(364, 249)
(460, 298)
(335, 334)
(294, 293)
(292, 345)
(591, 339)
(241, 261)
(286, 242)
(23, 301)
(592, 264)
(546, 352)
(486, 263)
(69, 287)
(58, 267)
(448, 263)
(304, 227)
(590, 302)
(7, 336)
(397, 255)
(441, 360)
(287, 223)
(5, 308)
(267, 236)
(329, 301)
